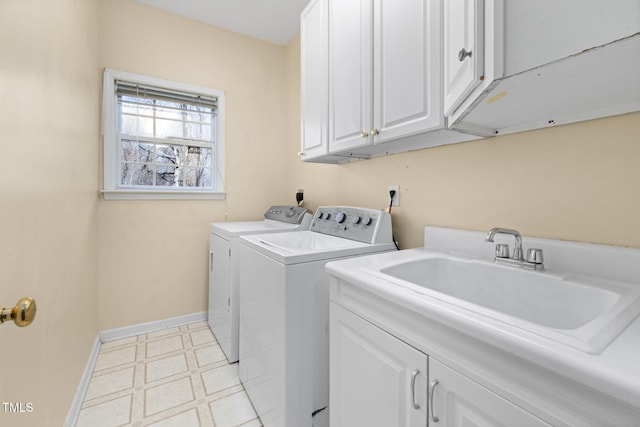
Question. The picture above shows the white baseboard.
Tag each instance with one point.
(143, 328)
(81, 391)
(116, 334)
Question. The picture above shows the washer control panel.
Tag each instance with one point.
(361, 224)
(290, 214)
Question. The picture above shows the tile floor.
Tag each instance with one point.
(175, 377)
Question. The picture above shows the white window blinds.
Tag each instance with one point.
(165, 138)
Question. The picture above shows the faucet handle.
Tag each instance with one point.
(502, 250)
(517, 253)
(534, 256)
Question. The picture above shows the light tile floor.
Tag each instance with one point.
(175, 377)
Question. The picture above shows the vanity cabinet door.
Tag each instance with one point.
(376, 380)
(459, 401)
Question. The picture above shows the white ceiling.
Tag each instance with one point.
(276, 21)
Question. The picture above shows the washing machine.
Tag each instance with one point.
(223, 268)
(284, 311)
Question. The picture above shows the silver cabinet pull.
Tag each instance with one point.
(432, 388)
(413, 389)
(463, 54)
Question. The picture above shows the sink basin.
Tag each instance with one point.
(583, 312)
(545, 299)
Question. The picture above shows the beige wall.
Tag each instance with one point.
(559, 182)
(153, 254)
(575, 182)
(94, 264)
(48, 201)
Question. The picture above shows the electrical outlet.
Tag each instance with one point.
(396, 197)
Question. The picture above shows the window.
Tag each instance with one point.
(162, 139)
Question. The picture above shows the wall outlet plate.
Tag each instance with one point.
(396, 197)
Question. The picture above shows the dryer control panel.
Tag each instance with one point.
(290, 214)
(361, 224)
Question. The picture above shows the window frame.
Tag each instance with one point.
(112, 190)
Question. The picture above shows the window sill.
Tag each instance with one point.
(160, 195)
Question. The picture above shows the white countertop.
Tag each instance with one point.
(614, 371)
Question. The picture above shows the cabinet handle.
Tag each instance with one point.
(413, 389)
(432, 388)
(363, 134)
(463, 54)
(374, 131)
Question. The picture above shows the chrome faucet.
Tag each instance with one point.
(534, 256)
(517, 251)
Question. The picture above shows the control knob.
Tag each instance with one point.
(340, 217)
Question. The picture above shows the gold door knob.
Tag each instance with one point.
(22, 314)
(363, 134)
(374, 131)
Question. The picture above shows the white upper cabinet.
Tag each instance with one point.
(463, 50)
(384, 71)
(314, 79)
(544, 63)
(381, 77)
(381, 69)
(350, 73)
(473, 57)
(407, 96)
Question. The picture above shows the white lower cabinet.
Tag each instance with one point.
(459, 401)
(378, 380)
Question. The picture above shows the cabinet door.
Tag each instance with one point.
(463, 50)
(375, 379)
(349, 74)
(458, 401)
(406, 57)
(314, 79)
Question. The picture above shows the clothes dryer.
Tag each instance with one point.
(223, 268)
(284, 311)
